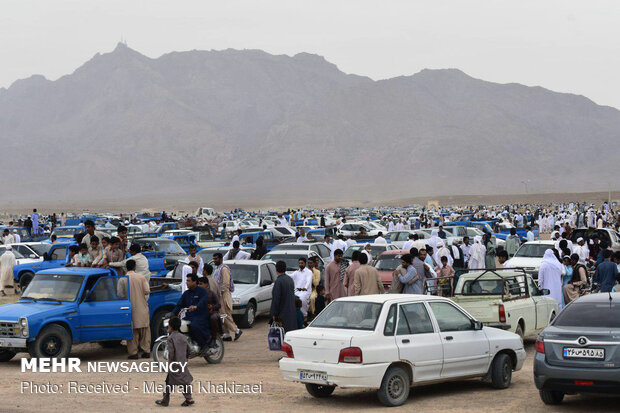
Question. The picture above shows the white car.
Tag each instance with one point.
(253, 285)
(19, 258)
(529, 256)
(32, 250)
(321, 248)
(391, 342)
(231, 227)
(291, 258)
(399, 238)
(352, 229)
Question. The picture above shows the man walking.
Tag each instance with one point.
(367, 279)
(227, 286)
(138, 295)
(283, 299)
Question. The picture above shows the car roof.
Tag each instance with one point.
(247, 262)
(384, 298)
(394, 252)
(540, 242)
(599, 298)
(88, 271)
(290, 252)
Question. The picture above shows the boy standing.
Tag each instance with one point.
(177, 352)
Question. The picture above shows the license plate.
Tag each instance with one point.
(584, 353)
(313, 376)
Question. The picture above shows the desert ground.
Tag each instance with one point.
(248, 361)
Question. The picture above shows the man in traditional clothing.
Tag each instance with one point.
(227, 286)
(90, 232)
(316, 280)
(17, 237)
(235, 253)
(334, 277)
(477, 254)
(283, 299)
(580, 277)
(550, 276)
(142, 263)
(196, 300)
(138, 295)
(7, 262)
(350, 272)
(193, 256)
(338, 244)
(303, 285)
(582, 251)
(35, 222)
(367, 279)
(512, 242)
(442, 251)
(7, 238)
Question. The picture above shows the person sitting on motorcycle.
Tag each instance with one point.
(196, 300)
(214, 307)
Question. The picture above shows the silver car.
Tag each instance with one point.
(580, 350)
(253, 284)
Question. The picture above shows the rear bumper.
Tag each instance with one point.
(501, 326)
(548, 377)
(12, 343)
(341, 375)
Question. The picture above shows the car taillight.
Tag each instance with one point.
(584, 383)
(540, 346)
(350, 355)
(502, 313)
(288, 350)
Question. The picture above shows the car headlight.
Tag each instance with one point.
(23, 325)
(236, 300)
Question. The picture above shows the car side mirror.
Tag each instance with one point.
(264, 283)
(46, 256)
(477, 325)
(545, 291)
(32, 256)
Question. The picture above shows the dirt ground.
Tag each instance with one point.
(248, 361)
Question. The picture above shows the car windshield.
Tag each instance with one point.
(171, 247)
(388, 262)
(603, 314)
(532, 250)
(283, 230)
(53, 287)
(40, 249)
(244, 274)
(65, 232)
(353, 315)
(349, 252)
(15, 252)
(282, 247)
(292, 261)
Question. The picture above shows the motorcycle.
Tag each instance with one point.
(212, 355)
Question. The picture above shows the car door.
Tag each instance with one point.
(105, 313)
(263, 297)
(56, 258)
(465, 350)
(325, 253)
(541, 305)
(419, 342)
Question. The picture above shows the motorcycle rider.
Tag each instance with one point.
(196, 300)
(214, 304)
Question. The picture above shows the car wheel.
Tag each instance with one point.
(52, 342)
(551, 396)
(24, 280)
(6, 355)
(250, 316)
(552, 317)
(319, 390)
(395, 387)
(519, 332)
(501, 371)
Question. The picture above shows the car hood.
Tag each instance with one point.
(22, 261)
(241, 289)
(31, 310)
(523, 262)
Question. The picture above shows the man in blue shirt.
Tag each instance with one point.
(530, 234)
(196, 300)
(606, 272)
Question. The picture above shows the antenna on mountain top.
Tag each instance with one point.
(123, 40)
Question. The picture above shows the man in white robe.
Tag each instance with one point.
(442, 251)
(477, 254)
(550, 276)
(303, 285)
(7, 262)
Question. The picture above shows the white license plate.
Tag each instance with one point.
(584, 353)
(313, 376)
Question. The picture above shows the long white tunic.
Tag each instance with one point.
(303, 279)
(7, 262)
(550, 276)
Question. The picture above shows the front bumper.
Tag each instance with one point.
(521, 355)
(12, 343)
(341, 374)
(548, 377)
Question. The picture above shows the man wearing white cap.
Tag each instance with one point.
(582, 250)
(18, 239)
(7, 262)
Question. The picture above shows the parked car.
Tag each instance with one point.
(507, 299)
(392, 342)
(55, 257)
(291, 258)
(320, 248)
(68, 232)
(529, 256)
(386, 263)
(282, 232)
(171, 250)
(611, 237)
(375, 250)
(580, 351)
(354, 229)
(207, 253)
(33, 250)
(399, 238)
(253, 284)
(65, 306)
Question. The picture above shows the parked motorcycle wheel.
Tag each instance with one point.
(160, 350)
(218, 355)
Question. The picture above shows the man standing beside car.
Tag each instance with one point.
(227, 286)
(283, 299)
(138, 295)
(512, 243)
(334, 277)
(367, 279)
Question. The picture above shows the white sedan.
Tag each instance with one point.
(391, 342)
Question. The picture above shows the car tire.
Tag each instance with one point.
(157, 326)
(501, 371)
(519, 332)
(395, 386)
(53, 341)
(250, 316)
(25, 279)
(319, 390)
(551, 396)
(6, 355)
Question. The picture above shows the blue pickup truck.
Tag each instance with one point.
(56, 257)
(67, 306)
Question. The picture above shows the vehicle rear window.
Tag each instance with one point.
(533, 250)
(605, 315)
(350, 315)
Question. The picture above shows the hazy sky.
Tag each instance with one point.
(563, 45)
